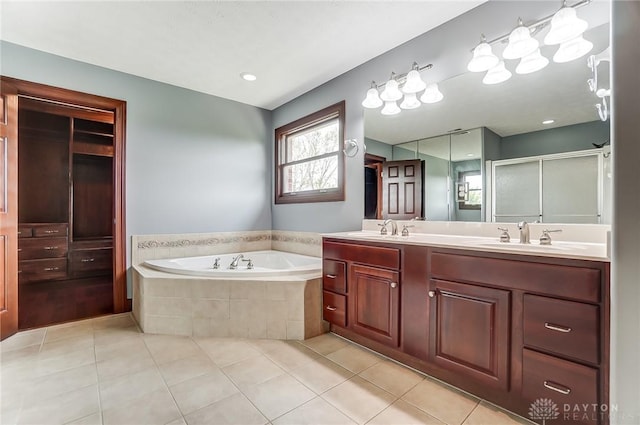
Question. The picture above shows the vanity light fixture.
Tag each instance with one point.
(572, 49)
(483, 57)
(565, 26)
(521, 43)
(405, 87)
(531, 63)
(497, 74)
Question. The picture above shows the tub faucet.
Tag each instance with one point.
(524, 232)
(236, 260)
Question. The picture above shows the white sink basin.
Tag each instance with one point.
(533, 246)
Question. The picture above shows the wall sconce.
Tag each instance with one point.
(566, 31)
(601, 93)
(405, 87)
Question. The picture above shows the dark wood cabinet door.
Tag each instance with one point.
(469, 331)
(374, 303)
(402, 189)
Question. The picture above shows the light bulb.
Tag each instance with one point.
(410, 101)
(532, 63)
(390, 108)
(431, 94)
(572, 49)
(497, 74)
(373, 99)
(520, 43)
(414, 82)
(565, 26)
(391, 93)
(483, 58)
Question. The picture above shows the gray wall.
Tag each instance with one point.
(555, 140)
(625, 288)
(194, 162)
(376, 147)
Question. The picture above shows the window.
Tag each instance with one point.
(469, 190)
(309, 160)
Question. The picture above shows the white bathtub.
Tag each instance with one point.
(265, 263)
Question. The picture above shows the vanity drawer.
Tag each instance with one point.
(334, 308)
(50, 229)
(364, 254)
(34, 248)
(563, 327)
(89, 262)
(334, 276)
(562, 381)
(39, 270)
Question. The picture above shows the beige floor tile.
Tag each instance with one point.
(118, 391)
(325, 343)
(359, 399)
(68, 330)
(266, 345)
(23, 339)
(25, 356)
(224, 351)
(48, 364)
(114, 321)
(486, 413)
(354, 358)
(392, 377)
(292, 355)
(95, 419)
(232, 410)
(252, 371)
(154, 408)
(441, 401)
(109, 336)
(165, 348)
(9, 416)
(124, 365)
(64, 346)
(127, 347)
(62, 408)
(403, 413)
(182, 369)
(52, 385)
(278, 395)
(314, 412)
(202, 391)
(321, 375)
(179, 421)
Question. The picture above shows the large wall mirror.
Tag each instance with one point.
(489, 152)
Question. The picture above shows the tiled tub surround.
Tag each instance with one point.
(284, 307)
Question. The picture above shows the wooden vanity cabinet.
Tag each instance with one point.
(509, 328)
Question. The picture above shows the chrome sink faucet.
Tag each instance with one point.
(523, 226)
(394, 227)
(236, 260)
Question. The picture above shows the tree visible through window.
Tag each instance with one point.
(309, 164)
(469, 190)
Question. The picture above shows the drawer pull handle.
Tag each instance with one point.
(19, 232)
(394, 284)
(331, 308)
(557, 328)
(51, 269)
(432, 294)
(557, 387)
(51, 231)
(50, 248)
(331, 276)
(87, 260)
(19, 249)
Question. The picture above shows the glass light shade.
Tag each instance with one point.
(483, 58)
(372, 100)
(520, 43)
(432, 94)
(391, 93)
(572, 49)
(390, 108)
(565, 26)
(497, 74)
(410, 101)
(414, 83)
(532, 63)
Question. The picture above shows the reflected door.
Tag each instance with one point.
(402, 189)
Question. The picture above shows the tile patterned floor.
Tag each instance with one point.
(105, 371)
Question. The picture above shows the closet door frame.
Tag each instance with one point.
(119, 107)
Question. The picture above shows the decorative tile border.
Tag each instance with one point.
(202, 242)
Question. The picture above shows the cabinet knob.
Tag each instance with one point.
(394, 284)
(432, 294)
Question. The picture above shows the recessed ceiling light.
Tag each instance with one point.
(248, 77)
(469, 155)
(548, 121)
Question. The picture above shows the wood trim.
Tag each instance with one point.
(118, 107)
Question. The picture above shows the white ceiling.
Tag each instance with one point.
(292, 46)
